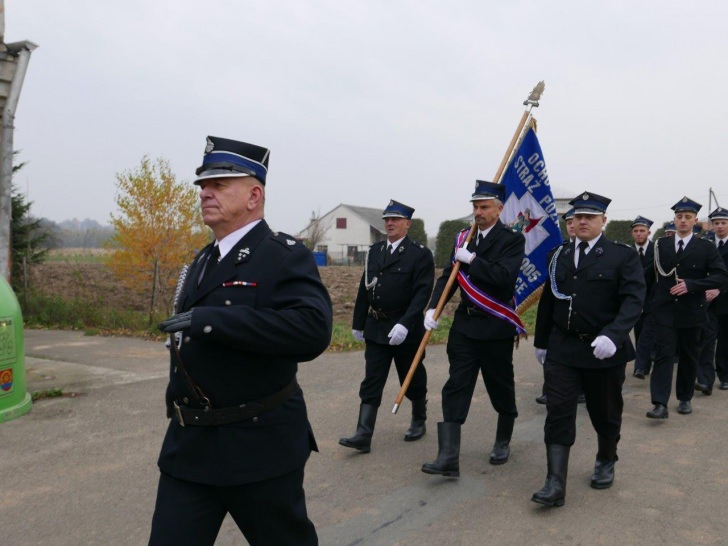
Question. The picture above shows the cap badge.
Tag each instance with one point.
(684, 199)
(585, 197)
(209, 147)
(290, 242)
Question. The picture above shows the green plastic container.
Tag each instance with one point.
(14, 400)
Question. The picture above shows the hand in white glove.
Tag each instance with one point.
(430, 322)
(541, 355)
(603, 347)
(397, 334)
(358, 335)
(464, 255)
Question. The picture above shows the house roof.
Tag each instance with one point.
(371, 216)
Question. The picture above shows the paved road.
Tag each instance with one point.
(82, 469)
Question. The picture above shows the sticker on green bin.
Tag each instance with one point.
(7, 341)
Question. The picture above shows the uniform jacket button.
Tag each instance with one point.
(207, 329)
(186, 400)
(228, 302)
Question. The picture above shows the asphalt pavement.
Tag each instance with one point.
(81, 468)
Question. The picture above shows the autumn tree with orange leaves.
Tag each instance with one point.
(158, 229)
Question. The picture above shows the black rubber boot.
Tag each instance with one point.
(362, 439)
(603, 476)
(501, 447)
(416, 429)
(553, 492)
(448, 451)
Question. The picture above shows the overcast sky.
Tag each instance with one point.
(362, 102)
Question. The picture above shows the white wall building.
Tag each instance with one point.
(345, 233)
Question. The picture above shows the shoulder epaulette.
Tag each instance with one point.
(284, 239)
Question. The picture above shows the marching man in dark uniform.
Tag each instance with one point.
(590, 303)
(393, 292)
(646, 324)
(483, 331)
(686, 267)
(714, 357)
(250, 307)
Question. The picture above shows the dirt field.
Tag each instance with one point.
(94, 283)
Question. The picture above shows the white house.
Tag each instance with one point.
(345, 233)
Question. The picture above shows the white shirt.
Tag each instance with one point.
(395, 244)
(592, 242)
(227, 243)
(685, 241)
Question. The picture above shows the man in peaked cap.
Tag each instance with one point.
(251, 306)
(480, 341)
(669, 229)
(640, 232)
(685, 267)
(589, 305)
(393, 292)
(714, 356)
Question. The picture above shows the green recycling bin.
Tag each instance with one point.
(14, 400)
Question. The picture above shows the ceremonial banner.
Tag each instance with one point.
(530, 209)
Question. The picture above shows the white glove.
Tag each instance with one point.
(358, 335)
(397, 334)
(603, 347)
(430, 322)
(464, 255)
(540, 355)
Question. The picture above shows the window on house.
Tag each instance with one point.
(341, 223)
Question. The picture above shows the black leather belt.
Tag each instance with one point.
(583, 337)
(378, 315)
(244, 412)
(475, 312)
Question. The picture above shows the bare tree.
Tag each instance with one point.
(316, 230)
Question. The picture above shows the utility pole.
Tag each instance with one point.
(14, 60)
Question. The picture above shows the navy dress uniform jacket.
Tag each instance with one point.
(494, 271)
(719, 305)
(701, 267)
(648, 267)
(245, 344)
(607, 290)
(403, 287)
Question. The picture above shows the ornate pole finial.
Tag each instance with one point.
(535, 95)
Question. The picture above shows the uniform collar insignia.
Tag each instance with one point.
(243, 253)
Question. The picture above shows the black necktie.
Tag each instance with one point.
(212, 260)
(480, 238)
(388, 253)
(582, 250)
(720, 245)
(642, 255)
(679, 248)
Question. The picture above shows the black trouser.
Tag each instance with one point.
(493, 358)
(721, 350)
(645, 344)
(687, 343)
(378, 359)
(706, 360)
(603, 392)
(270, 512)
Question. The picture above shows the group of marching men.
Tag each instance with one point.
(596, 293)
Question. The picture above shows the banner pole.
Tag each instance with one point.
(530, 102)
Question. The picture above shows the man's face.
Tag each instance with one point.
(684, 222)
(570, 228)
(230, 203)
(640, 234)
(589, 226)
(396, 228)
(720, 227)
(486, 212)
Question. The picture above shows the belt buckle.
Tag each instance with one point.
(178, 413)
